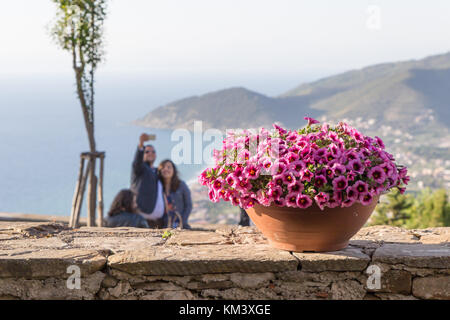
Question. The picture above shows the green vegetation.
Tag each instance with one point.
(166, 235)
(78, 29)
(423, 210)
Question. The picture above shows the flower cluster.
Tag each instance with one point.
(328, 166)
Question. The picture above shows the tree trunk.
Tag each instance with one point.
(92, 194)
(92, 188)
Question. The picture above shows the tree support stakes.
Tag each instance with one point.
(83, 177)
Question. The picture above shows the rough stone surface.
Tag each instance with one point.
(216, 262)
(175, 260)
(348, 259)
(251, 280)
(396, 281)
(29, 264)
(190, 238)
(347, 290)
(432, 287)
(51, 288)
(393, 296)
(414, 255)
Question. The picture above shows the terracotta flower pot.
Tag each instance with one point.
(310, 229)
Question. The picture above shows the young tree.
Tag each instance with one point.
(395, 211)
(79, 30)
(431, 209)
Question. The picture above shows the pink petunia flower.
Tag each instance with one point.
(329, 172)
(377, 174)
(275, 193)
(217, 184)
(278, 167)
(238, 172)
(280, 202)
(231, 180)
(297, 187)
(310, 121)
(319, 181)
(361, 187)
(235, 201)
(306, 175)
(296, 167)
(278, 180)
(351, 175)
(303, 201)
(252, 172)
(291, 199)
(291, 157)
(338, 168)
(321, 198)
(279, 129)
(289, 178)
(380, 142)
(333, 202)
(212, 196)
(243, 185)
(352, 193)
(356, 166)
(347, 203)
(388, 170)
(365, 198)
(405, 179)
(340, 183)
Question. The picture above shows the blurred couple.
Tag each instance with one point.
(157, 198)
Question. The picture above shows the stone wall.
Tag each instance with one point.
(217, 262)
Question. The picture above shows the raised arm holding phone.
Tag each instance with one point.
(145, 183)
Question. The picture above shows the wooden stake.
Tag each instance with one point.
(76, 194)
(100, 195)
(92, 194)
(80, 197)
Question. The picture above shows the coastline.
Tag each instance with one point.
(32, 217)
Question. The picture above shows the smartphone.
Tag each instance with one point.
(152, 137)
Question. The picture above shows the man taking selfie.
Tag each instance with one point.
(145, 183)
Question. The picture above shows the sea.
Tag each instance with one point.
(42, 133)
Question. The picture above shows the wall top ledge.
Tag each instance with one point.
(45, 249)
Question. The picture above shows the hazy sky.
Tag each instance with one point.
(233, 37)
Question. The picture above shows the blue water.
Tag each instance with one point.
(42, 135)
(42, 131)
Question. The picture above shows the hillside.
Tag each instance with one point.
(400, 93)
(406, 103)
(396, 93)
(229, 108)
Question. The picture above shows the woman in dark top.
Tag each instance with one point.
(124, 211)
(177, 194)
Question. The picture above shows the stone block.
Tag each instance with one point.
(414, 255)
(186, 260)
(251, 280)
(169, 295)
(432, 287)
(348, 259)
(347, 290)
(23, 263)
(190, 238)
(51, 288)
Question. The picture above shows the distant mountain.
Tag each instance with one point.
(397, 94)
(393, 92)
(229, 108)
